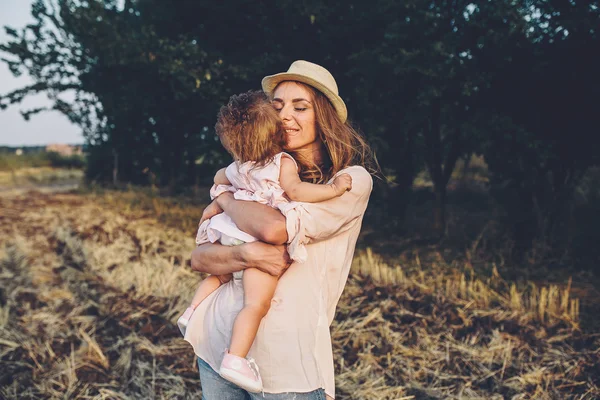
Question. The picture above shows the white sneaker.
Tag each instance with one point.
(183, 321)
(241, 371)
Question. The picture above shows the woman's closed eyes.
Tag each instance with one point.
(278, 105)
(297, 109)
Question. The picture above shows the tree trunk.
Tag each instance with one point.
(467, 165)
(440, 167)
(439, 212)
(433, 141)
(115, 173)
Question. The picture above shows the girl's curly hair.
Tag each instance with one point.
(250, 128)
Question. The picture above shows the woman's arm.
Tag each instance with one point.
(216, 259)
(307, 192)
(259, 220)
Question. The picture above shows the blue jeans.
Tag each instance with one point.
(216, 388)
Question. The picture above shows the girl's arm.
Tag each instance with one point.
(216, 259)
(259, 220)
(314, 222)
(306, 192)
(221, 177)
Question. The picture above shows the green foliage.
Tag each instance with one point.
(540, 113)
(422, 97)
(75, 161)
(38, 159)
(584, 232)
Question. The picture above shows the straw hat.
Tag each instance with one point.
(313, 75)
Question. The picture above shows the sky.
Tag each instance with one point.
(42, 128)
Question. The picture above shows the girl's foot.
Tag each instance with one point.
(241, 371)
(182, 322)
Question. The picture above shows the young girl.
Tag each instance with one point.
(252, 132)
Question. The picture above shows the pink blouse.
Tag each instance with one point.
(293, 345)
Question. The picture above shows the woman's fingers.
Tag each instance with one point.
(276, 260)
(272, 259)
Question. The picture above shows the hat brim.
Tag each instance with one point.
(270, 82)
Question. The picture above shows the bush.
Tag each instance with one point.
(585, 234)
(75, 161)
(11, 161)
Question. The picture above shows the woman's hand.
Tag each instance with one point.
(216, 259)
(210, 211)
(272, 259)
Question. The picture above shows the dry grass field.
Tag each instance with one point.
(91, 286)
(32, 177)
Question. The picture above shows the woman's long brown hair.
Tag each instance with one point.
(343, 145)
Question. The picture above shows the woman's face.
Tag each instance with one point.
(296, 109)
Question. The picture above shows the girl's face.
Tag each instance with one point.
(296, 109)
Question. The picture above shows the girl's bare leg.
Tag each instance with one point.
(259, 288)
(207, 286)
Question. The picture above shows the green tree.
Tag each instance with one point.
(427, 81)
(149, 76)
(145, 102)
(425, 77)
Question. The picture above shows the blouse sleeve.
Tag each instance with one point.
(312, 222)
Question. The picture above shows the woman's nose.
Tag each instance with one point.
(285, 114)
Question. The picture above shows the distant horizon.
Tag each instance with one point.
(17, 146)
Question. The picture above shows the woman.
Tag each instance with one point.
(293, 345)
